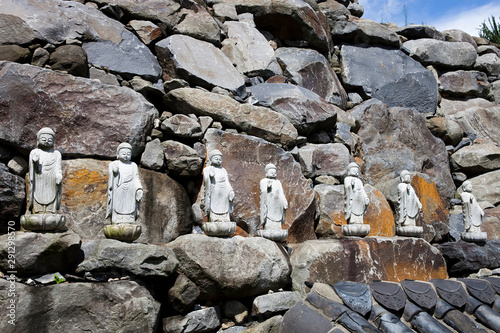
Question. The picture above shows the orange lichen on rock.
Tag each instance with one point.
(379, 214)
(85, 185)
(434, 208)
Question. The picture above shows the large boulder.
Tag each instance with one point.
(258, 121)
(311, 70)
(464, 83)
(417, 31)
(482, 121)
(398, 139)
(489, 63)
(180, 58)
(478, 158)
(372, 32)
(244, 158)
(292, 20)
(122, 306)
(181, 159)
(203, 320)
(232, 267)
(442, 54)
(141, 260)
(71, 59)
(89, 118)
(12, 197)
(307, 111)
(107, 42)
(165, 211)
(249, 50)
(365, 260)
(486, 187)
(455, 35)
(450, 106)
(13, 30)
(38, 253)
(390, 76)
(329, 159)
(491, 223)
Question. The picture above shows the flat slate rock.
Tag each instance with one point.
(480, 289)
(357, 296)
(388, 294)
(495, 283)
(354, 322)
(302, 318)
(451, 291)
(420, 293)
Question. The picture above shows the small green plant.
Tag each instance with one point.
(405, 13)
(59, 279)
(491, 32)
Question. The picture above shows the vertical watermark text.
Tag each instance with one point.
(11, 273)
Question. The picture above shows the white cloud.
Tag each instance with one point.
(467, 20)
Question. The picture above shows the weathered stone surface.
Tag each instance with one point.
(375, 33)
(304, 318)
(102, 115)
(244, 158)
(12, 196)
(495, 91)
(478, 158)
(455, 35)
(307, 111)
(181, 159)
(178, 56)
(491, 223)
(13, 30)
(482, 121)
(153, 157)
(485, 49)
(235, 311)
(486, 187)
(465, 258)
(122, 306)
(18, 165)
(225, 12)
(289, 20)
(198, 23)
(183, 295)
(204, 320)
(40, 57)
(165, 211)
(38, 253)
(14, 53)
(489, 63)
(270, 304)
(231, 267)
(311, 70)
(464, 83)
(415, 31)
(258, 121)
(398, 139)
(365, 260)
(390, 76)
(450, 106)
(329, 159)
(141, 260)
(442, 54)
(71, 59)
(99, 74)
(332, 8)
(446, 129)
(182, 126)
(147, 31)
(249, 50)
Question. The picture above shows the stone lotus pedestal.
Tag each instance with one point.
(219, 229)
(360, 230)
(410, 231)
(474, 236)
(274, 235)
(43, 222)
(125, 232)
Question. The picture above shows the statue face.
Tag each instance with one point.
(468, 187)
(216, 160)
(271, 173)
(125, 154)
(406, 178)
(46, 140)
(354, 171)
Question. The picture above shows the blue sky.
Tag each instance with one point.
(465, 15)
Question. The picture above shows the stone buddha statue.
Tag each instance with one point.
(355, 203)
(473, 215)
(409, 207)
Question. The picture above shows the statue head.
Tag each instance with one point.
(270, 170)
(405, 176)
(467, 186)
(353, 169)
(45, 138)
(124, 152)
(215, 157)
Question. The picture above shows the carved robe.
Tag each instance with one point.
(45, 194)
(122, 188)
(472, 212)
(273, 203)
(218, 192)
(355, 200)
(409, 205)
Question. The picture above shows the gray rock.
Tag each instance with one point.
(13, 30)
(178, 57)
(232, 267)
(236, 311)
(71, 59)
(270, 304)
(40, 57)
(225, 12)
(18, 165)
(198, 23)
(103, 77)
(303, 317)
(41, 253)
(183, 295)
(12, 197)
(14, 53)
(455, 35)
(249, 50)
(310, 69)
(464, 83)
(307, 111)
(204, 320)
(460, 55)
(272, 325)
(153, 158)
(375, 33)
(181, 159)
(332, 8)
(489, 63)
(182, 126)
(495, 91)
(415, 31)
(356, 9)
(446, 129)
(475, 159)
(324, 159)
(49, 278)
(450, 106)
(258, 121)
(141, 260)
(147, 31)
(390, 76)
(481, 121)
(485, 49)
(331, 210)
(486, 187)
(100, 114)
(122, 306)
